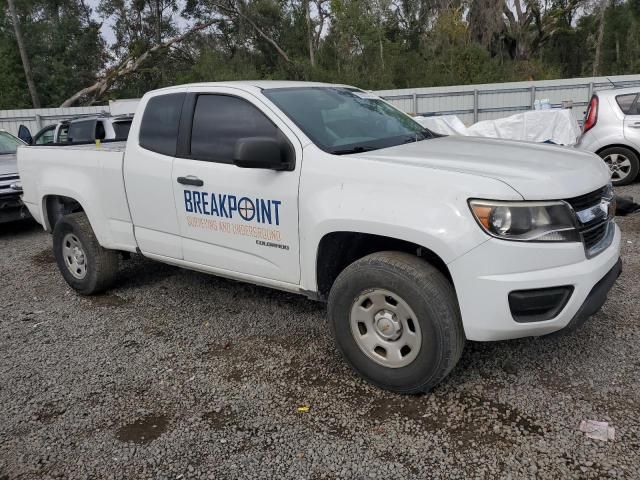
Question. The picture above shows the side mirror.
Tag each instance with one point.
(263, 152)
(25, 135)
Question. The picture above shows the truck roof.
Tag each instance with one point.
(260, 84)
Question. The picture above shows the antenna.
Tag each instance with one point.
(609, 80)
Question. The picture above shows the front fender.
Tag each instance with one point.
(427, 207)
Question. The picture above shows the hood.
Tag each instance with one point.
(537, 171)
(8, 165)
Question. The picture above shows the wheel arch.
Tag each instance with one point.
(54, 207)
(619, 145)
(336, 250)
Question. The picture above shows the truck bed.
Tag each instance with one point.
(90, 174)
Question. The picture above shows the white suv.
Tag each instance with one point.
(80, 130)
(612, 130)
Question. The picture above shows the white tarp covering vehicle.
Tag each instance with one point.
(557, 126)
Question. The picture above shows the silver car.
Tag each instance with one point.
(11, 207)
(612, 130)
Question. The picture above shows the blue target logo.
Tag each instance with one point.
(246, 209)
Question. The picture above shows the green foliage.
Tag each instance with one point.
(13, 91)
(375, 44)
(64, 46)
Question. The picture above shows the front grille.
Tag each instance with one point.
(592, 236)
(594, 223)
(6, 181)
(587, 200)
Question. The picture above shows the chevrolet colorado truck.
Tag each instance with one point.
(418, 242)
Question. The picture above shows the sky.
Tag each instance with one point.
(107, 29)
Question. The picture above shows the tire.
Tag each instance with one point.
(429, 296)
(89, 269)
(623, 163)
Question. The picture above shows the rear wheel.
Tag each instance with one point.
(623, 164)
(84, 264)
(396, 320)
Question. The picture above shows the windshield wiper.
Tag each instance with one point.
(356, 149)
(418, 137)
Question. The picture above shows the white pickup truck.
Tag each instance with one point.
(417, 241)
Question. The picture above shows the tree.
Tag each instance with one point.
(601, 22)
(125, 67)
(26, 64)
(373, 44)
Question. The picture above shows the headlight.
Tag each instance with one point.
(526, 221)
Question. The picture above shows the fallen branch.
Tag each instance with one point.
(127, 66)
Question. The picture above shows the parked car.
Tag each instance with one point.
(80, 130)
(11, 207)
(612, 130)
(417, 241)
(56, 133)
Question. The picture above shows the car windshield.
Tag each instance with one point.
(8, 143)
(343, 120)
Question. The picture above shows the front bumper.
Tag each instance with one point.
(485, 276)
(12, 208)
(596, 297)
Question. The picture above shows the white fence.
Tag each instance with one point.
(489, 101)
(470, 102)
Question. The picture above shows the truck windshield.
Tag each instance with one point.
(343, 120)
(8, 143)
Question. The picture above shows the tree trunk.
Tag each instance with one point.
(598, 55)
(307, 14)
(35, 99)
(158, 15)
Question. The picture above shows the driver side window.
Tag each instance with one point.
(46, 137)
(219, 121)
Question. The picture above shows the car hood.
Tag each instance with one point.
(8, 165)
(536, 171)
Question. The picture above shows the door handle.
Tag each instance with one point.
(190, 180)
(635, 125)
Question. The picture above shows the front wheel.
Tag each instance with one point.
(623, 164)
(396, 320)
(84, 264)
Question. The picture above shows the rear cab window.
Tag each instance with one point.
(121, 129)
(160, 123)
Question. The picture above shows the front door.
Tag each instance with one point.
(238, 220)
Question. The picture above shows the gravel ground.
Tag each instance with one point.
(175, 374)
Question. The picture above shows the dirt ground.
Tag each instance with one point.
(176, 374)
